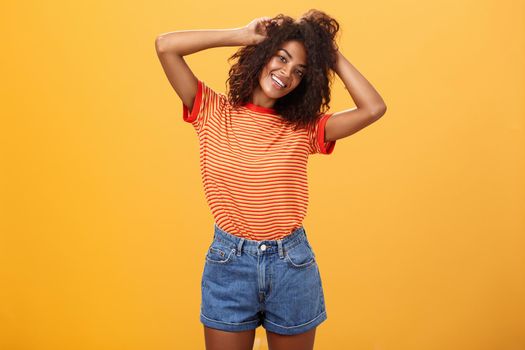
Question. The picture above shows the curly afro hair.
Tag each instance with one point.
(310, 99)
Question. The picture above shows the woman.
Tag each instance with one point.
(254, 145)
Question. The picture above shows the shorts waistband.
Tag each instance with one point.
(297, 236)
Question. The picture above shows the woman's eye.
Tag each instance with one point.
(282, 57)
(300, 73)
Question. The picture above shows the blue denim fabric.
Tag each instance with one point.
(273, 283)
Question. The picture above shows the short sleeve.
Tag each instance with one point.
(316, 137)
(207, 104)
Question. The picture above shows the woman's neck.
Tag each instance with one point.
(260, 99)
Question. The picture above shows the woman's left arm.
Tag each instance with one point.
(369, 104)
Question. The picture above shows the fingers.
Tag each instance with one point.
(275, 21)
(265, 21)
(268, 19)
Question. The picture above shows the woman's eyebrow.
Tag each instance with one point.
(291, 56)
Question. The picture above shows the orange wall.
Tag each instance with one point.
(417, 221)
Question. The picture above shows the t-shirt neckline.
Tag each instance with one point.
(261, 109)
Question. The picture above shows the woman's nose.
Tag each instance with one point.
(285, 72)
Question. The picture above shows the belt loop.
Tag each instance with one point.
(239, 246)
(280, 248)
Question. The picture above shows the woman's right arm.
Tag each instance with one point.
(172, 46)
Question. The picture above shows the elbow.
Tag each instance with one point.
(159, 44)
(378, 112)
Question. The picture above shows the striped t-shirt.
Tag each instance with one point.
(253, 165)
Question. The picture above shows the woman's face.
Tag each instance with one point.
(287, 65)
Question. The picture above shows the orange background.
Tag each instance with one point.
(417, 221)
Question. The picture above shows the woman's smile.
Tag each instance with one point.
(275, 84)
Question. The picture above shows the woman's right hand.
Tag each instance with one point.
(256, 30)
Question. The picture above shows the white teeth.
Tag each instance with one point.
(278, 81)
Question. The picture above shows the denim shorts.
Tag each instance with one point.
(273, 283)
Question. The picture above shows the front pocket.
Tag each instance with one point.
(219, 254)
(300, 256)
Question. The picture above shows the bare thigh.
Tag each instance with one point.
(303, 341)
(220, 340)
